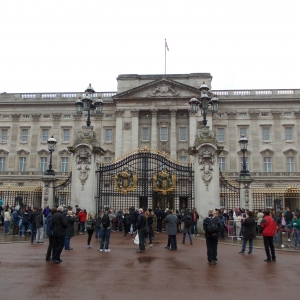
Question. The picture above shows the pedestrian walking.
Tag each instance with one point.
(90, 225)
(49, 232)
(249, 232)
(171, 222)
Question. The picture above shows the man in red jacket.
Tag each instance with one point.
(268, 226)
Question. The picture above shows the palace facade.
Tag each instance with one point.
(153, 111)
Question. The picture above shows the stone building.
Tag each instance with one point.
(153, 112)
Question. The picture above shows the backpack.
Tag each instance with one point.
(212, 226)
(105, 221)
(89, 224)
(188, 222)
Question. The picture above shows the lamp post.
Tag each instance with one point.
(87, 104)
(244, 144)
(207, 100)
(51, 147)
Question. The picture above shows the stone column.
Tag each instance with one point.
(173, 139)
(154, 129)
(245, 193)
(48, 192)
(135, 129)
(206, 171)
(119, 133)
(86, 155)
(192, 127)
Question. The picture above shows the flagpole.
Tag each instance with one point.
(165, 57)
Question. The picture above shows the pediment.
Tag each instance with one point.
(290, 152)
(22, 152)
(43, 152)
(3, 152)
(162, 88)
(267, 152)
(64, 152)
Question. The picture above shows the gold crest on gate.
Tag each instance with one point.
(125, 181)
(164, 182)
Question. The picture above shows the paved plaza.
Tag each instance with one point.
(155, 274)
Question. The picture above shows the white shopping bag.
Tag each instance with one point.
(136, 239)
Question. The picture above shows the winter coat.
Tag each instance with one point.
(249, 229)
(268, 226)
(186, 229)
(82, 216)
(141, 222)
(39, 220)
(171, 222)
(297, 222)
(98, 221)
(127, 219)
(49, 230)
(59, 224)
(260, 216)
(70, 222)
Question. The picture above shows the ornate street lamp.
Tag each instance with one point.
(51, 147)
(87, 104)
(244, 144)
(207, 100)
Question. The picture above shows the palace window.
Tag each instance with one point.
(182, 134)
(266, 134)
(220, 134)
(267, 164)
(4, 135)
(24, 136)
(290, 164)
(66, 135)
(108, 135)
(22, 164)
(164, 134)
(183, 159)
(288, 133)
(2, 164)
(45, 135)
(243, 132)
(145, 134)
(222, 164)
(64, 164)
(43, 164)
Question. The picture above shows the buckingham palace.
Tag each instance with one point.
(154, 112)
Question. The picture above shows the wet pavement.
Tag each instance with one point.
(155, 274)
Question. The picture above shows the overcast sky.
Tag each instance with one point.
(63, 45)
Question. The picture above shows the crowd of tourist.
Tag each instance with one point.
(59, 226)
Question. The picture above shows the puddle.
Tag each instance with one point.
(146, 259)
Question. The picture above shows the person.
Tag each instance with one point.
(7, 221)
(260, 216)
(159, 216)
(127, 223)
(134, 215)
(249, 232)
(49, 232)
(268, 226)
(211, 227)
(296, 230)
(90, 228)
(25, 221)
(238, 224)
(288, 220)
(82, 219)
(15, 222)
(59, 226)
(149, 234)
(141, 227)
(171, 222)
(195, 222)
(32, 217)
(188, 223)
(98, 226)
(106, 219)
(39, 225)
(120, 220)
(71, 220)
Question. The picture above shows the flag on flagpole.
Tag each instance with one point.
(166, 45)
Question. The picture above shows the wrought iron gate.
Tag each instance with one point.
(62, 192)
(145, 178)
(229, 192)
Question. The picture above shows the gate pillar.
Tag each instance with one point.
(206, 171)
(245, 193)
(86, 159)
(47, 194)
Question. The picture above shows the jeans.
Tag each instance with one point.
(159, 225)
(6, 226)
(39, 234)
(250, 245)
(90, 234)
(296, 238)
(141, 240)
(67, 242)
(82, 226)
(120, 224)
(105, 235)
(190, 236)
(24, 227)
(195, 228)
(98, 230)
(33, 232)
(276, 237)
(212, 248)
(268, 242)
